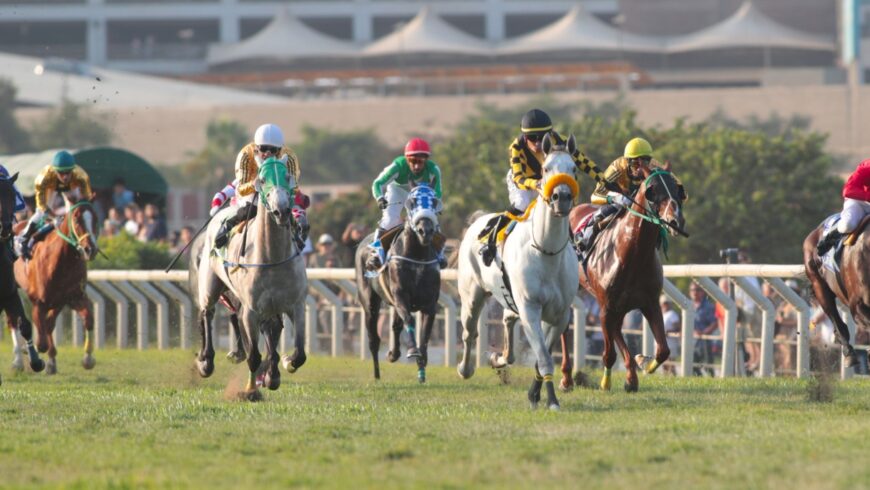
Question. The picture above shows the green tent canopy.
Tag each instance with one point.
(103, 164)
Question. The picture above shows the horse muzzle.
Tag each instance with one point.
(561, 201)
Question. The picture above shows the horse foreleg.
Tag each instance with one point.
(653, 315)
(19, 323)
(501, 361)
(17, 361)
(567, 383)
(205, 359)
(472, 297)
(251, 335)
(395, 349)
(371, 313)
(297, 359)
(630, 364)
(608, 357)
(828, 301)
(236, 355)
(530, 315)
(403, 312)
(272, 333)
(50, 317)
(83, 308)
(423, 360)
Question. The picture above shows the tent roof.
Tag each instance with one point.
(427, 33)
(579, 30)
(749, 28)
(285, 38)
(103, 164)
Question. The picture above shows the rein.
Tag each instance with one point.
(237, 265)
(73, 238)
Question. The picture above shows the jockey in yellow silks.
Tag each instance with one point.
(62, 176)
(268, 142)
(524, 177)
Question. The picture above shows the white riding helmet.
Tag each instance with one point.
(269, 134)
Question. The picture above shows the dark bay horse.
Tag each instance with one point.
(624, 272)
(852, 287)
(56, 276)
(10, 302)
(410, 281)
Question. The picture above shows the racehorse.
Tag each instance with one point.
(56, 276)
(410, 280)
(536, 277)
(850, 285)
(266, 274)
(624, 271)
(10, 302)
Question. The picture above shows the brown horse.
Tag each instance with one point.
(851, 286)
(56, 276)
(623, 270)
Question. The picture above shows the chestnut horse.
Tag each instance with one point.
(850, 285)
(56, 276)
(10, 302)
(624, 272)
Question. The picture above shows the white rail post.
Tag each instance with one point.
(846, 315)
(141, 313)
(162, 312)
(768, 313)
(75, 326)
(647, 340)
(121, 308)
(349, 287)
(579, 340)
(185, 310)
(310, 324)
(99, 310)
(803, 318)
(687, 337)
(729, 343)
(450, 318)
(337, 318)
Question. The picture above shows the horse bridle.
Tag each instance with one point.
(75, 240)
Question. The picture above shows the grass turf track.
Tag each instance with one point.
(144, 419)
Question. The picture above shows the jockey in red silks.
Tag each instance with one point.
(268, 141)
(856, 194)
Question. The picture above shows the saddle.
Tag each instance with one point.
(851, 238)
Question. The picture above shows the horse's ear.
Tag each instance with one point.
(648, 193)
(572, 144)
(681, 193)
(667, 166)
(547, 143)
(14, 177)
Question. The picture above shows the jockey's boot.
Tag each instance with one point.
(586, 237)
(23, 242)
(828, 240)
(378, 256)
(491, 231)
(223, 233)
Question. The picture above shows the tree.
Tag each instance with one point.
(70, 126)
(13, 138)
(341, 156)
(213, 166)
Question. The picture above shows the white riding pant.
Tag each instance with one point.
(853, 212)
(519, 198)
(391, 216)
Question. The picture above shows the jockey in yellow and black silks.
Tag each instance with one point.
(524, 177)
(61, 176)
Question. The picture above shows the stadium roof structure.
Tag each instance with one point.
(578, 30)
(284, 39)
(428, 34)
(103, 164)
(748, 28)
(45, 82)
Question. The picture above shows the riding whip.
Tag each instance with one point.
(193, 238)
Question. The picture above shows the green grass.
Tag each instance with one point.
(144, 419)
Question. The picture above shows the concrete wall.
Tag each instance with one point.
(168, 136)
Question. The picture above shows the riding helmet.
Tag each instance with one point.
(536, 121)
(417, 146)
(63, 161)
(638, 147)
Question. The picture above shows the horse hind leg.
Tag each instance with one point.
(649, 365)
(828, 301)
(395, 348)
(423, 360)
(608, 357)
(83, 309)
(501, 361)
(19, 324)
(567, 382)
(49, 317)
(295, 360)
(630, 364)
(251, 336)
(236, 355)
(473, 297)
(17, 360)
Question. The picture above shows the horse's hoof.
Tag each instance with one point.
(288, 365)
(293, 362)
(252, 395)
(88, 362)
(235, 357)
(494, 361)
(630, 388)
(566, 385)
(642, 361)
(533, 405)
(51, 367)
(37, 366)
(851, 360)
(205, 368)
(393, 356)
(464, 371)
(413, 353)
(554, 407)
(272, 382)
(18, 365)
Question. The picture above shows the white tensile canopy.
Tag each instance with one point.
(749, 28)
(579, 30)
(427, 33)
(286, 38)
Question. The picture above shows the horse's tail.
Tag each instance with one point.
(196, 250)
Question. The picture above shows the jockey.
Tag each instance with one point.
(19, 199)
(627, 174)
(392, 186)
(856, 194)
(268, 142)
(63, 176)
(524, 177)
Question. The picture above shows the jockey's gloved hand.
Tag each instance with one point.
(619, 200)
(382, 202)
(612, 187)
(214, 209)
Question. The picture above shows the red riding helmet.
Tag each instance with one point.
(417, 146)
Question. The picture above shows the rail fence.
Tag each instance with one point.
(156, 310)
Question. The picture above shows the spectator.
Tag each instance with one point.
(705, 325)
(121, 196)
(785, 327)
(131, 226)
(673, 329)
(350, 239)
(110, 229)
(153, 227)
(115, 219)
(749, 316)
(325, 253)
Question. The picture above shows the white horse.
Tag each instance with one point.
(266, 274)
(540, 269)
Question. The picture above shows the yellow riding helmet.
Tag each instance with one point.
(638, 147)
